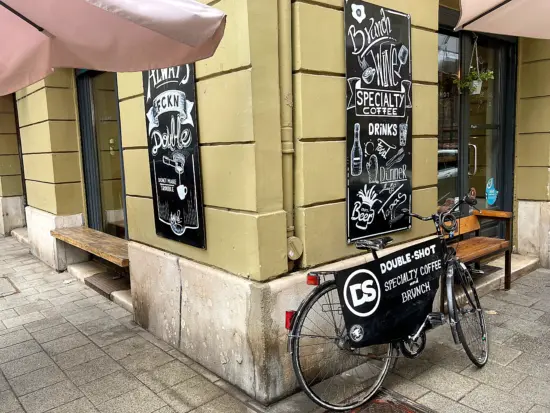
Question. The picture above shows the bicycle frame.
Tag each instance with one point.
(450, 265)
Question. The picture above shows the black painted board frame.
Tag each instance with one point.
(174, 154)
(378, 119)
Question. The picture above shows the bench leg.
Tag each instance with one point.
(508, 270)
(477, 265)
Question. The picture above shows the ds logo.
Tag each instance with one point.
(362, 293)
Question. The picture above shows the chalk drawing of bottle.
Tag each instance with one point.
(356, 156)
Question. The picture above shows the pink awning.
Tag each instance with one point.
(522, 18)
(39, 36)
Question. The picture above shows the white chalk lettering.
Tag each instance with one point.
(395, 263)
(383, 129)
(415, 292)
(393, 174)
(430, 267)
(376, 32)
(424, 252)
(174, 138)
(378, 29)
(404, 278)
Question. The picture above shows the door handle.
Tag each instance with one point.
(475, 159)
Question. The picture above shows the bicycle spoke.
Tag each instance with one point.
(331, 371)
(470, 320)
(332, 314)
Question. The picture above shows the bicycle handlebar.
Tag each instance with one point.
(469, 199)
(406, 212)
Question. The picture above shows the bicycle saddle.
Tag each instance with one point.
(374, 244)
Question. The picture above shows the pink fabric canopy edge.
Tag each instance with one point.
(106, 35)
(522, 18)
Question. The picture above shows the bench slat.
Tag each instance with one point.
(465, 226)
(468, 224)
(478, 247)
(103, 245)
(489, 213)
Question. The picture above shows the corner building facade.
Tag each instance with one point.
(271, 107)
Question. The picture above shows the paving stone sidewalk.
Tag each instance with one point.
(517, 376)
(66, 349)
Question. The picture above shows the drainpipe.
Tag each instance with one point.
(20, 149)
(295, 247)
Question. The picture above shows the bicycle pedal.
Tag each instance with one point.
(473, 270)
(437, 319)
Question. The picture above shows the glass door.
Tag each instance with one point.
(449, 118)
(476, 130)
(489, 137)
(485, 135)
(99, 124)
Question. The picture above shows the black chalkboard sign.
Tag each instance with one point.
(174, 159)
(388, 299)
(379, 119)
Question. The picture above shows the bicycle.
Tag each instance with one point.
(342, 385)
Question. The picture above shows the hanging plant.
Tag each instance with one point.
(475, 77)
(474, 80)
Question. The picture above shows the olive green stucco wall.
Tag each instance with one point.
(240, 135)
(10, 169)
(239, 125)
(49, 140)
(238, 97)
(533, 121)
(320, 123)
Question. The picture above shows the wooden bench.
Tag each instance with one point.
(477, 248)
(108, 247)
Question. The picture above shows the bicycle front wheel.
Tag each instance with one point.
(329, 370)
(469, 317)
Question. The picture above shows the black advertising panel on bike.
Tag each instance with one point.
(379, 119)
(173, 146)
(389, 298)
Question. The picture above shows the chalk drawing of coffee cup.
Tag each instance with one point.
(178, 163)
(182, 191)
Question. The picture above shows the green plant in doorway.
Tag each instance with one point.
(472, 79)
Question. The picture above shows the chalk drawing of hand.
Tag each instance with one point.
(372, 169)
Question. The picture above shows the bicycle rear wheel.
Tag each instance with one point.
(471, 326)
(329, 370)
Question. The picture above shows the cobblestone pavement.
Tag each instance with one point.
(517, 376)
(66, 349)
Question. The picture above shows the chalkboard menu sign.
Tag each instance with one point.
(173, 143)
(379, 119)
(388, 299)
